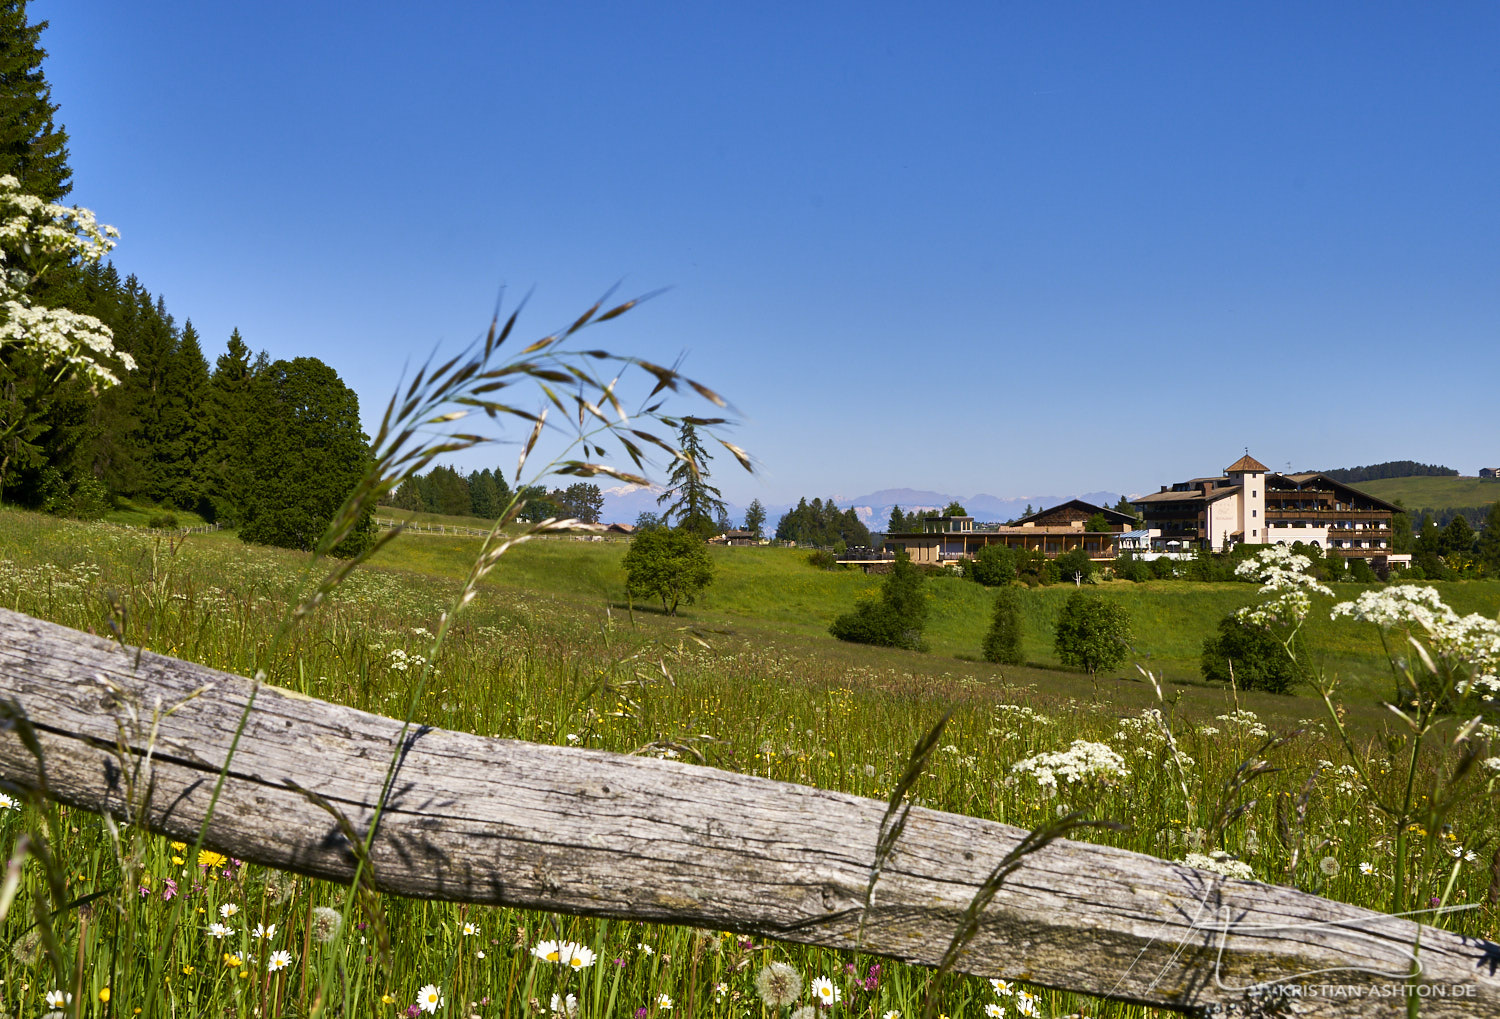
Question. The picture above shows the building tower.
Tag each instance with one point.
(1250, 475)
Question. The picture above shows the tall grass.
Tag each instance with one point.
(542, 654)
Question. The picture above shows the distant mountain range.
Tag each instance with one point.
(623, 503)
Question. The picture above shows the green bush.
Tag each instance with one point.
(896, 619)
(1259, 659)
(822, 559)
(1076, 563)
(1130, 567)
(993, 566)
(162, 520)
(1003, 642)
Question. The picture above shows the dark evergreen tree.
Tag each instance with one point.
(187, 433)
(755, 518)
(691, 502)
(897, 522)
(1488, 549)
(484, 494)
(226, 470)
(445, 491)
(822, 524)
(33, 147)
(1002, 644)
(306, 454)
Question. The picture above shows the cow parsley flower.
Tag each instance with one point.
(1081, 762)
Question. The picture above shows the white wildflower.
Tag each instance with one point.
(1083, 761)
(1220, 863)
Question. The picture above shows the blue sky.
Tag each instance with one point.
(998, 248)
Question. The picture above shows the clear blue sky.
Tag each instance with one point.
(1004, 248)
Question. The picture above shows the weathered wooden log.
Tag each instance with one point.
(576, 831)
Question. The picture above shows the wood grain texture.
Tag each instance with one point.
(577, 831)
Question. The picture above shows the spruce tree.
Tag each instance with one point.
(187, 437)
(33, 147)
(692, 503)
(230, 405)
(1488, 550)
(755, 518)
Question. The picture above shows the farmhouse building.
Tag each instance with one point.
(1050, 532)
(1489, 472)
(1250, 504)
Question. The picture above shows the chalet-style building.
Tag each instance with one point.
(1051, 532)
(735, 537)
(1489, 472)
(1250, 504)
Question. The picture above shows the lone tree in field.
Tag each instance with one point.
(692, 503)
(672, 565)
(896, 618)
(1003, 643)
(1092, 634)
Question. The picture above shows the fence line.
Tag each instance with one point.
(473, 819)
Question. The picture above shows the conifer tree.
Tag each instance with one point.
(230, 405)
(755, 518)
(692, 503)
(1488, 550)
(33, 147)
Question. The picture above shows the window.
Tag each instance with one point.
(1255, 513)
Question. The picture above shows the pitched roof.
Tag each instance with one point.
(1246, 463)
(1087, 508)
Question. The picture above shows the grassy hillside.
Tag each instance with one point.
(1434, 493)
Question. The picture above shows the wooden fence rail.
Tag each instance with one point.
(592, 833)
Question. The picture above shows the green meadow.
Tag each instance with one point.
(1434, 493)
(747, 679)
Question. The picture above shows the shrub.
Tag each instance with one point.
(1361, 573)
(1076, 564)
(162, 520)
(1163, 568)
(1134, 569)
(822, 559)
(1259, 660)
(993, 566)
(1003, 643)
(896, 619)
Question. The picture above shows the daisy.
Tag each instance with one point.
(57, 999)
(1026, 1003)
(430, 998)
(470, 930)
(663, 1002)
(220, 931)
(575, 955)
(892, 1014)
(1002, 988)
(1367, 869)
(720, 989)
(278, 960)
(565, 1006)
(228, 909)
(824, 993)
(994, 1011)
(263, 932)
(645, 949)
(7, 802)
(547, 951)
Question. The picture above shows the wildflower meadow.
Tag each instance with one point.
(1332, 799)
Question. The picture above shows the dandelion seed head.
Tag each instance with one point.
(326, 922)
(778, 985)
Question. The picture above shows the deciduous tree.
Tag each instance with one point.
(673, 565)
(1092, 634)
